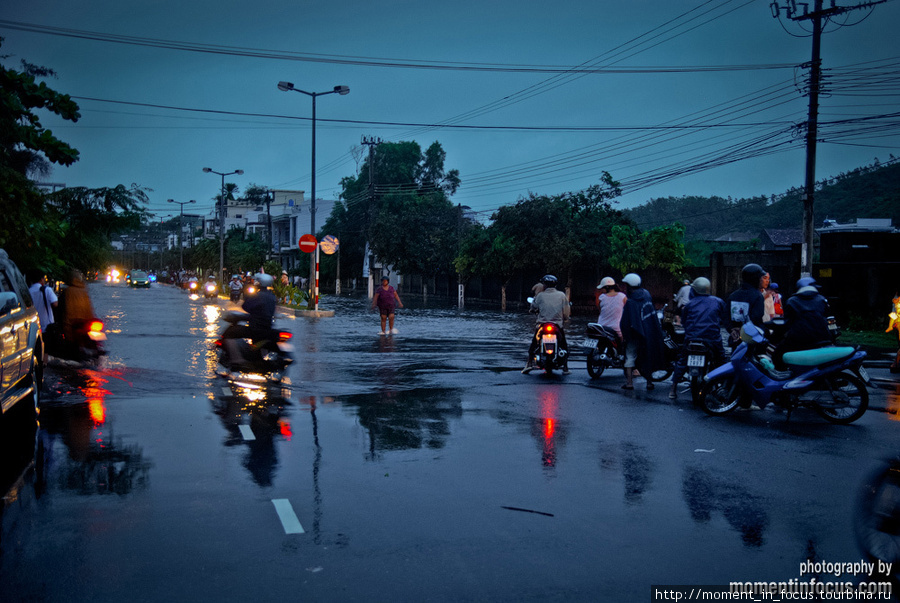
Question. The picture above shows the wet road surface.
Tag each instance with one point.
(415, 467)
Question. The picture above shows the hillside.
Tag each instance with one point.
(868, 192)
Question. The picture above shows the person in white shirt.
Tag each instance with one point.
(44, 298)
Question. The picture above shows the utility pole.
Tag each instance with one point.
(371, 142)
(819, 17)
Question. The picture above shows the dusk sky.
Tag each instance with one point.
(685, 97)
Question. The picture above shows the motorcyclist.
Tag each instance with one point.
(236, 286)
(806, 320)
(702, 318)
(746, 304)
(552, 306)
(611, 302)
(261, 308)
(75, 311)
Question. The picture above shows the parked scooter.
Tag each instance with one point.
(830, 380)
(268, 357)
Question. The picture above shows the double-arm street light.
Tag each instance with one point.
(222, 220)
(314, 259)
(181, 230)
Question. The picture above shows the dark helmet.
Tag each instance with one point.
(548, 281)
(751, 273)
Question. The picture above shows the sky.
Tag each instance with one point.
(672, 98)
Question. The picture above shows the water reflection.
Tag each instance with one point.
(402, 420)
(255, 415)
(635, 465)
(545, 428)
(705, 494)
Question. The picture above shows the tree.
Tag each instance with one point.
(661, 247)
(407, 218)
(87, 219)
(27, 147)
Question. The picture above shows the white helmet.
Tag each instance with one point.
(607, 281)
(701, 285)
(632, 280)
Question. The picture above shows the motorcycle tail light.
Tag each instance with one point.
(284, 336)
(96, 326)
(549, 328)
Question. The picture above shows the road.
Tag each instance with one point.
(415, 467)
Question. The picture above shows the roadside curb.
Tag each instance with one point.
(288, 311)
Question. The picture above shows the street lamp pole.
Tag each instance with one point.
(181, 230)
(222, 221)
(314, 258)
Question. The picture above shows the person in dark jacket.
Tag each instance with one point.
(261, 308)
(642, 333)
(702, 318)
(747, 303)
(806, 320)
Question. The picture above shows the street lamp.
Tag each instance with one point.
(222, 220)
(314, 258)
(181, 230)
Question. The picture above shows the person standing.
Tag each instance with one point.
(642, 333)
(386, 299)
(44, 297)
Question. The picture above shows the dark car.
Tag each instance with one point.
(21, 343)
(139, 278)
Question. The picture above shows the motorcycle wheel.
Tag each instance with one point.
(877, 519)
(848, 395)
(720, 396)
(595, 366)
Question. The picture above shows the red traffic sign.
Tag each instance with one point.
(308, 243)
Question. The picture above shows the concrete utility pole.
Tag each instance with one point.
(371, 142)
(819, 17)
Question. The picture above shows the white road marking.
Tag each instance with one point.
(247, 432)
(287, 516)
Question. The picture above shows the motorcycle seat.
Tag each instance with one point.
(818, 356)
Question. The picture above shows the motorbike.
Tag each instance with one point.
(877, 517)
(605, 350)
(86, 345)
(268, 357)
(550, 353)
(235, 294)
(699, 358)
(210, 290)
(830, 380)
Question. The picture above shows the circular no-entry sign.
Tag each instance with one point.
(308, 243)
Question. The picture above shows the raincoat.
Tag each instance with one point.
(640, 324)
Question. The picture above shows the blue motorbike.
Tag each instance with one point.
(830, 380)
